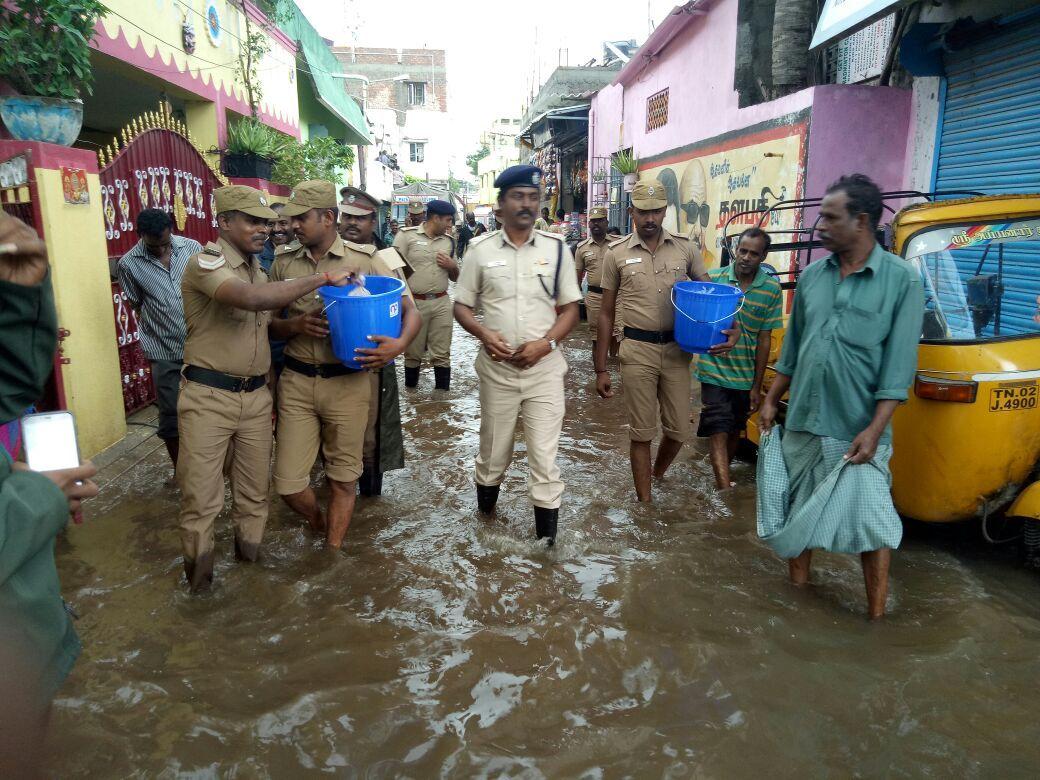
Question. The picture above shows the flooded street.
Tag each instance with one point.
(658, 641)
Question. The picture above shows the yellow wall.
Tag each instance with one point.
(212, 63)
(79, 269)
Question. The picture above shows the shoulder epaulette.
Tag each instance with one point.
(410, 227)
(212, 249)
(617, 242)
(292, 246)
(548, 234)
(367, 249)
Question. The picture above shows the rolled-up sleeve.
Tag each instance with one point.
(568, 292)
(467, 288)
(899, 359)
(609, 278)
(792, 337)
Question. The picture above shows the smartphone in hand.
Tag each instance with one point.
(49, 440)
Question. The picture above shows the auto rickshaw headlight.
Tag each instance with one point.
(954, 390)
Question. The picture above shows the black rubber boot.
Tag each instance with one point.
(545, 524)
(370, 483)
(441, 378)
(487, 497)
(411, 377)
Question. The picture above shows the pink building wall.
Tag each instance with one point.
(697, 67)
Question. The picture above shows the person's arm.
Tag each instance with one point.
(786, 366)
(388, 349)
(34, 507)
(129, 285)
(604, 336)
(28, 319)
(494, 344)
(898, 367)
(761, 360)
(275, 295)
(567, 314)
(531, 352)
(447, 262)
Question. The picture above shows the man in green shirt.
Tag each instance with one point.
(849, 357)
(731, 385)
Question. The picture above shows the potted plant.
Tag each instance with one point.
(628, 166)
(45, 56)
(251, 150)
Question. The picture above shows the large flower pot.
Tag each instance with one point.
(248, 166)
(47, 119)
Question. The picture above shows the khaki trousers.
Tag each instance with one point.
(655, 376)
(211, 421)
(434, 335)
(535, 394)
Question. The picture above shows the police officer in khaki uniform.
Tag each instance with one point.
(525, 282)
(638, 273)
(588, 260)
(430, 254)
(323, 404)
(416, 211)
(224, 402)
(384, 439)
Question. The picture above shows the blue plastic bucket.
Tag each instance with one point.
(353, 319)
(702, 311)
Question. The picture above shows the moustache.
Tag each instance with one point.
(525, 213)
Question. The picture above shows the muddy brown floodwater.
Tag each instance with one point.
(653, 641)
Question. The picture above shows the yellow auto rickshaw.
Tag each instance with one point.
(967, 443)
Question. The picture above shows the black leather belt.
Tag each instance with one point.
(429, 296)
(650, 336)
(595, 289)
(323, 370)
(222, 381)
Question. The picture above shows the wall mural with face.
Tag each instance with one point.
(711, 181)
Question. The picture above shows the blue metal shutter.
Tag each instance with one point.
(990, 139)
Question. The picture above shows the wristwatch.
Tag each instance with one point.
(552, 343)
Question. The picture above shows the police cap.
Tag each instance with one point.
(649, 195)
(519, 176)
(415, 207)
(598, 212)
(248, 200)
(357, 202)
(440, 208)
(307, 195)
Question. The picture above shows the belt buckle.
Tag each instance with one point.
(319, 371)
(240, 385)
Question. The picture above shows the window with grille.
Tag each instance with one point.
(417, 152)
(416, 93)
(657, 110)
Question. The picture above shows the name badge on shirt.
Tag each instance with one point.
(631, 260)
(421, 243)
(495, 264)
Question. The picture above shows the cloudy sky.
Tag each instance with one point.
(496, 51)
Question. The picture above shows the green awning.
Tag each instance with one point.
(321, 62)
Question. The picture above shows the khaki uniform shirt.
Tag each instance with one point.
(644, 279)
(588, 258)
(514, 284)
(222, 337)
(420, 252)
(293, 265)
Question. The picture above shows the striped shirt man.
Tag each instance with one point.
(762, 311)
(154, 291)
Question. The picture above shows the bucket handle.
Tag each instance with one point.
(703, 322)
(329, 305)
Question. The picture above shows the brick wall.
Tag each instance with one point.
(379, 64)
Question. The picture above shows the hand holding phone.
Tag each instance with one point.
(51, 449)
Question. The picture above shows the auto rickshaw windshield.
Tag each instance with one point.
(981, 281)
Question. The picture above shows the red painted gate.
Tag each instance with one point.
(155, 163)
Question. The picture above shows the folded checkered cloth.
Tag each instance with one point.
(809, 497)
